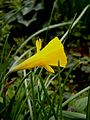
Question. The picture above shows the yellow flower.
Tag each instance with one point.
(49, 56)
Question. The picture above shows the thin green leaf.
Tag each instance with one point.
(88, 107)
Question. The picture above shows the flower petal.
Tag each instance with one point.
(54, 52)
(48, 68)
(49, 55)
(38, 44)
(31, 62)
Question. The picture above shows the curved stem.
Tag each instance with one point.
(40, 31)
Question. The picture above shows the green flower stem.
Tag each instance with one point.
(75, 96)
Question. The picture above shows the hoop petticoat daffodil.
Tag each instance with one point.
(49, 56)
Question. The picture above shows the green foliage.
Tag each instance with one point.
(68, 115)
(20, 10)
(79, 105)
(88, 108)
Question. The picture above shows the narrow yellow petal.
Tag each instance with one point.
(48, 68)
(38, 44)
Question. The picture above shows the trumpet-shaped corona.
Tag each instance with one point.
(49, 56)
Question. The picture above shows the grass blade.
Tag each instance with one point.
(73, 115)
(88, 107)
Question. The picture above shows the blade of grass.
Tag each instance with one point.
(70, 70)
(4, 63)
(49, 101)
(69, 29)
(41, 101)
(88, 106)
(75, 96)
(50, 110)
(4, 51)
(73, 115)
(28, 100)
(54, 4)
(18, 106)
(33, 96)
(42, 108)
